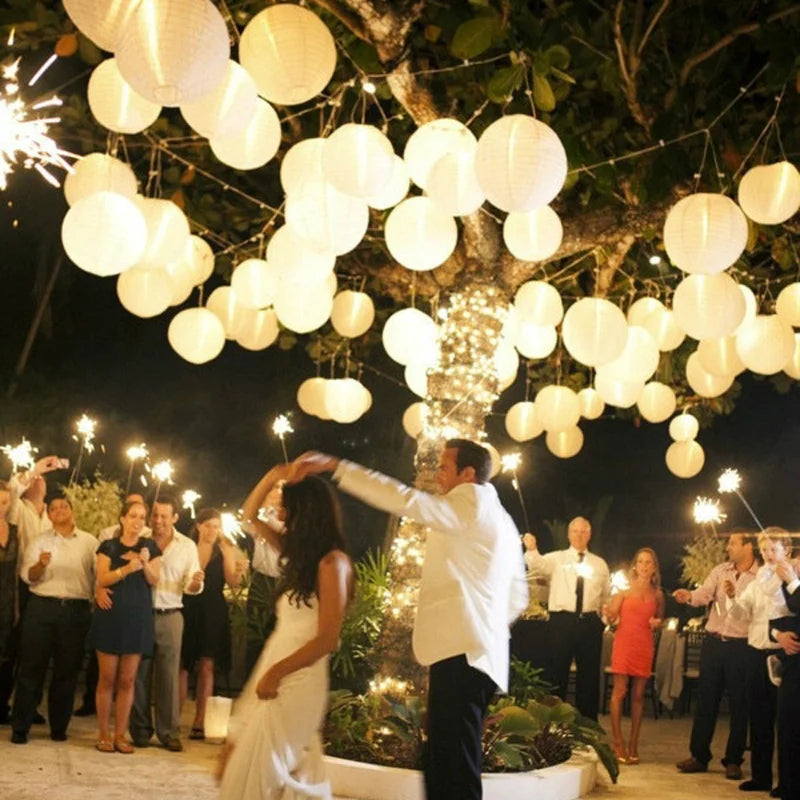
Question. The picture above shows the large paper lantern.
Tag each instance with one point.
(420, 236)
(409, 333)
(770, 194)
(522, 423)
(642, 308)
(352, 314)
(656, 402)
(708, 306)
(792, 367)
(196, 334)
(535, 341)
(201, 258)
(521, 163)
(506, 362)
(255, 144)
(102, 22)
(591, 404)
(617, 392)
(255, 283)
(594, 331)
(539, 302)
(685, 459)
(433, 140)
(225, 305)
(684, 427)
(302, 161)
(416, 376)
(565, 444)
(661, 325)
(638, 359)
(290, 53)
(98, 172)
(303, 312)
(346, 399)
(453, 185)
(494, 456)
(414, 419)
(750, 307)
(787, 306)
(557, 408)
(115, 104)
(533, 235)
(358, 159)
(181, 277)
(311, 397)
(105, 233)
(765, 344)
(167, 230)
(395, 189)
(174, 51)
(703, 382)
(144, 292)
(297, 260)
(719, 357)
(257, 330)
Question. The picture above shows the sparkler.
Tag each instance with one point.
(162, 473)
(280, 427)
(85, 436)
(511, 463)
(189, 498)
(135, 453)
(619, 581)
(707, 512)
(730, 481)
(231, 527)
(21, 456)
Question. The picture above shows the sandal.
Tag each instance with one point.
(105, 746)
(633, 759)
(121, 746)
(197, 733)
(622, 755)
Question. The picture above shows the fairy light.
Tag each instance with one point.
(385, 685)
(231, 527)
(189, 498)
(281, 427)
(21, 455)
(369, 87)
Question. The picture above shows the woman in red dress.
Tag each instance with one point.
(640, 610)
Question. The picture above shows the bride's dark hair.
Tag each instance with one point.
(313, 529)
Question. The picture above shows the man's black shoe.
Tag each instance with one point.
(753, 786)
(18, 737)
(58, 736)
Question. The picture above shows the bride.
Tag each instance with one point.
(275, 749)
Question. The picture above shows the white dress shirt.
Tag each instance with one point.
(30, 523)
(70, 573)
(562, 568)
(712, 592)
(473, 579)
(179, 562)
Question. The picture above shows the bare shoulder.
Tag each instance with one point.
(336, 560)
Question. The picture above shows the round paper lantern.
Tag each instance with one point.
(181, 277)
(521, 163)
(511, 325)
(535, 341)
(640, 309)
(416, 376)
(704, 383)
(565, 444)
(352, 314)
(750, 307)
(594, 331)
(99, 172)
(766, 344)
(358, 159)
(144, 292)
(228, 109)
(115, 104)
(102, 22)
(656, 402)
(533, 235)
(494, 455)
(557, 408)
(296, 259)
(787, 306)
(344, 400)
(255, 283)
(257, 330)
(539, 302)
(290, 53)
(304, 312)
(638, 360)
(201, 259)
(196, 334)
(105, 233)
(770, 194)
(661, 325)
(708, 306)
(255, 144)
(685, 459)
(414, 419)
(395, 189)
(453, 185)
(167, 230)
(420, 236)
(719, 357)
(792, 367)
(705, 233)
(409, 333)
(616, 392)
(174, 52)
(311, 397)
(591, 404)
(522, 423)
(225, 305)
(433, 140)
(303, 161)
(684, 427)
(506, 362)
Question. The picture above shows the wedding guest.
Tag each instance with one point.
(9, 552)
(640, 611)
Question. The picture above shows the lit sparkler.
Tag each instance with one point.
(707, 512)
(189, 498)
(731, 481)
(511, 463)
(231, 527)
(84, 435)
(162, 473)
(280, 427)
(619, 581)
(135, 453)
(21, 456)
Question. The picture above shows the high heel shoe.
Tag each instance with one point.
(621, 754)
(633, 759)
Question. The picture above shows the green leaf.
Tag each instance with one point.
(515, 720)
(559, 56)
(555, 71)
(509, 754)
(474, 37)
(503, 83)
(543, 96)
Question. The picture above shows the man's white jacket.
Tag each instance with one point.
(473, 578)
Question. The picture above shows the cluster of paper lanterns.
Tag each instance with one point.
(342, 400)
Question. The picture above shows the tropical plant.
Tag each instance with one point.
(700, 556)
(95, 502)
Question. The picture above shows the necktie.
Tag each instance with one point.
(579, 587)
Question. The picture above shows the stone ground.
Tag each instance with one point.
(74, 770)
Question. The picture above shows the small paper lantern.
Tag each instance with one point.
(533, 235)
(539, 302)
(506, 362)
(225, 305)
(496, 461)
(750, 307)
(766, 344)
(201, 258)
(144, 292)
(115, 104)
(719, 357)
(685, 459)
(98, 172)
(594, 331)
(257, 330)
(414, 419)
(792, 367)
(708, 306)
(311, 397)
(684, 427)
(352, 314)
(255, 283)
(535, 341)
(511, 324)
(102, 22)
(661, 325)
(409, 333)
(453, 186)
(787, 306)
(770, 194)
(640, 309)
(704, 383)
(174, 52)
(196, 335)
(105, 233)
(303, 161)
(656, 402)
(358, 159)
(181, 277)
(218, 712)
(255, 144)
(416, 376)
(420, 236)
(638, 359)
(522, 422)
(591, 404)
(345, 401)
(395, 189)
(521, 163)
(304, 312)
(565, 444)
(167, 231)
(557, 408)
(616, 392)
(296, 259)
(433, 140)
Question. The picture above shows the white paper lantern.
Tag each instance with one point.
(114, 103)
(453, 185)
(395, 189)
(539, 302)
(215, 722)
(181, 277)
(433, 140)
(257, 330)
(685, 459)
(414, 419)
(565, 444)
(640, 309)
(770, 194)
(684, 427)
(105, 233)
(511, 324)
(638, 359)
(708, 306)
(255, 283)
(656, 402)
(703, 382)
(197, 335)
(290, 53)
(420, 236)
(358, 159)
(705, 233)
(416, 376)
(98, 172)
(557, 408)
(201, 258)
(506, 362)
(616, 392)
(174, 52)
(255, 144)
(102, 22)
(766, 344)
(719, 357)
(535, 341)
(311, 397)
(228, 109)
(345, 401)
(304, 312)
(144, 292)
(521, 163)
(167, 230)
(297, 260)
(594, 331)
(750, 307)
(533, 235)
(661, 325)
(591, 404)
(303, 161)
(225, 305)
(787, 306)
(352, 314)
(409, 333)
(522, 423)
(792, 367)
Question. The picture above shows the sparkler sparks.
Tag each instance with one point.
(85, 427)
(189, 498)
(21, 456)
(729, 481)
(707, 511)
(281, 427)
(231, 527)
(619, 581)
(162, 471)
(135, 453)
(511, 463)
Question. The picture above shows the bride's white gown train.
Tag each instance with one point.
(277, 752)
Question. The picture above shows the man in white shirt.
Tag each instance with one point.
(473, 586)
(579, 587)
(59, 568)
(180, 574)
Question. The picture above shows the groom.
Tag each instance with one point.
(473, 587)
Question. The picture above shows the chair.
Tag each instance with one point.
(691, 666)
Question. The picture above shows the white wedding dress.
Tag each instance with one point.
(277, 748)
